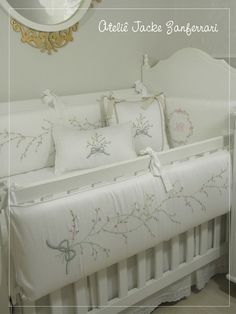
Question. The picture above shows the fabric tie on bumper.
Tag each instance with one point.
(156, 168)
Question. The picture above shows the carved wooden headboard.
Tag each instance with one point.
(190, 73)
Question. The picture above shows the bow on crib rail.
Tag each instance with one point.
(140, 88)
(156, 168)
(110, 102)
(53, 101)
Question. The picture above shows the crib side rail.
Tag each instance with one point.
(70, 183)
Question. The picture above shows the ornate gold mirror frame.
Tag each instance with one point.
(46, 41)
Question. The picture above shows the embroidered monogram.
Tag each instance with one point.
(142, 126)
(98, 145)
(180, 124)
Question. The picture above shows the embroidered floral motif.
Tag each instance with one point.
(84, 126)
(26, 142)
(142, 126)
(98, 145)
(144, 214)
(180, 124)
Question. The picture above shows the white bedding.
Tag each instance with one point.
(67, 239)
(27, 178)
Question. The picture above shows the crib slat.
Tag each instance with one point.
(158, 251)
(227, 228)
(81, 300)
(93, 290)
(29, 308)
(56, 302)
(190, 245)
(217, 223)
(102, 287)
(141, 266)
(175, 257)
(123, 279)
(197, 238)
(204, 238)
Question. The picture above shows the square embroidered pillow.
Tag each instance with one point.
(26, 143)
(77, 150)
(146, 117)
(192, 120)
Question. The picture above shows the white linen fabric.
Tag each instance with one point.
(146, 116)
(57, 242)
(193, 120)
(26, 142)
(77, 150)
(27, 178)
(156, 167)
(85, 116)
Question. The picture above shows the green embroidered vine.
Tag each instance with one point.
(84, 126)
(27, 142)
(140, 215)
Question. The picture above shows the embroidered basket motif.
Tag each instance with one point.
(98, 145)
(142, 126)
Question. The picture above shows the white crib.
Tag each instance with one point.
(167, 271)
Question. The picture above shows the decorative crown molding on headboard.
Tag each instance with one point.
(190, 73)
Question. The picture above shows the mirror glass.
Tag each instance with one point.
(46, 12)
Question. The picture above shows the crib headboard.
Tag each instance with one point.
(190, 73)
(197, 93)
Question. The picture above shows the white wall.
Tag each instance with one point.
(96, 61)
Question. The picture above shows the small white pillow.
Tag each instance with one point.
(77, 150)
(146, 116)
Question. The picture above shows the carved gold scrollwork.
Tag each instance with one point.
(45, 41)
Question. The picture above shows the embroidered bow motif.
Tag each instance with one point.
(64, 248)
(97, 150)
(98, 144)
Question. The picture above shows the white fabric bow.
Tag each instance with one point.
(53, 101)
(109, 103)
(156, 168)
(141, 88)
